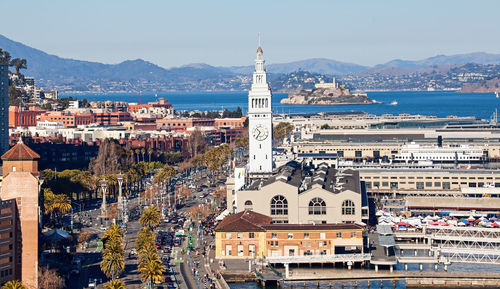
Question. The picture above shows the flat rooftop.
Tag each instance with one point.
(457, 203)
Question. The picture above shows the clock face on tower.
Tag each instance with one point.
(260, 132)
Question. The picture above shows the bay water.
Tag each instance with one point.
(436, 103)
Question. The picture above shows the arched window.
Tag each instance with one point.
(248, 205)
(348, 207)
(317, 207)
(279, 206)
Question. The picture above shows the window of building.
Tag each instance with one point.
(394, 185)
(348, 207)
(290, 235)
(322, 235)
(279, 205)
(228, 235)
(446, 185)
(385, 184)
(274, 235)
(317, 206)
(420, 185)
(251, 235)
(308, 253)
(338, 234)
(306, 235)
(358, 154)
(353, 234)
(239, 235)
(340, 154)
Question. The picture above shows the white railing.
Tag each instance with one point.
(319, 258)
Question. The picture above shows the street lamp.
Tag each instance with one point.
(104, 187)
(119, 178)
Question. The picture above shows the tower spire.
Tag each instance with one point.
(259, 38)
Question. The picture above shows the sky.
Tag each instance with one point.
(224, 33)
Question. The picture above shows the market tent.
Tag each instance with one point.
(56, 235)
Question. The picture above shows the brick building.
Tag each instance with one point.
(248, 235)
(181, 124)
(19, 117)
(69, 119)
(230, 122)
(107, 118)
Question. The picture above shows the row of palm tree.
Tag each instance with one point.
(113, 256)
(150, 265)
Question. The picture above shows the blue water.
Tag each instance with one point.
(437, 103)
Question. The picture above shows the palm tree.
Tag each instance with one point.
(144, 236)
(151, 269)
(150, 217)
(14, 284)
(115, 284)
(143, 151)
(150, 152)
(137, 152)
(114, 232)
(112, 265)
(62, 203)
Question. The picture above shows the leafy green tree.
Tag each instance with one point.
(282, 130)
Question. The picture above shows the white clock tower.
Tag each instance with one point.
(260, 127)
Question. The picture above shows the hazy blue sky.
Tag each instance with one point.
(173, 33)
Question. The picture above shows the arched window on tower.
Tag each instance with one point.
(248, 205)
(266, 103)
(279, 206)
(348, 207)
(317, 206)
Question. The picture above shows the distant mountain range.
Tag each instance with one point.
(76, 75)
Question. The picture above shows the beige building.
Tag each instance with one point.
(304, 195)
(390, 180)
(20, 183)
(395, 150)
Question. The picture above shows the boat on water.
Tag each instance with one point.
(394, 103)
(496, 94)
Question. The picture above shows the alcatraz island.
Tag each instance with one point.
(333, 93)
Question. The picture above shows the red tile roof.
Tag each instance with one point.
(20, 152)
(246, 221)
